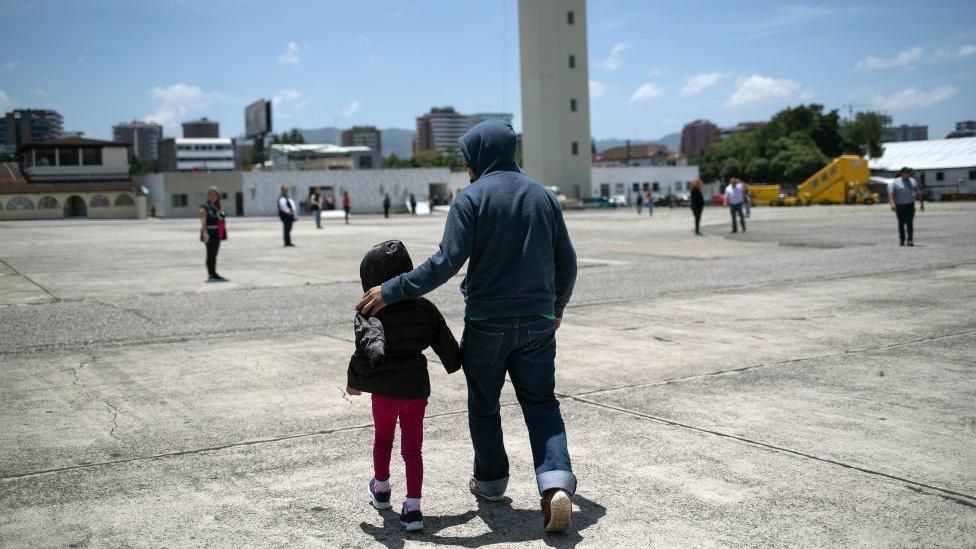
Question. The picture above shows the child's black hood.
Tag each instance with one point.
(383, 262)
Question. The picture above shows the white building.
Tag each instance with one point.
(196, 154)
(942, 166)
(366, 187)
(555, 94)
(322, 156)
(662, 180)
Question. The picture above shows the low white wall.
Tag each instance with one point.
(366, 187)
(672, 179)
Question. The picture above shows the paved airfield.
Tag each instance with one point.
(807, 383)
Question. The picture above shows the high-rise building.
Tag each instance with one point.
(698, 135)
(23, 126)
(965, 128)
(742, 127)
(203, 128)
(366, 136)
(196, 154)
(442, 126)
(143, 136)
(894, 134)
(555, 94)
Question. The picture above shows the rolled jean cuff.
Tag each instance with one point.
(564, 480)
(495, 487)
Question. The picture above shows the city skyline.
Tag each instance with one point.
(651, 70)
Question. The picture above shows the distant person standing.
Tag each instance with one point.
(902, 193)
(346, 205)
(413, 204)
(315, 203)
(386, 206)
(697, 204)
(650, 203)
(211, 219)
(734, 197)
(286, 212)
(746, 201)
(639, 200)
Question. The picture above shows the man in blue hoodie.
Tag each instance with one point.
(521, 272)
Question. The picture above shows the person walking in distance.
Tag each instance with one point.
(734, 197)
(639, 200)
(413, 204)
(697, 204)
(286, 212)
(386, 206)
(902, 193)
(649, 198)
(315, 203)
(211, 218)
(520, 276)
(346, 205)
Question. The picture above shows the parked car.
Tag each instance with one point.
(718, 200)
(682, 199)
(618, 200)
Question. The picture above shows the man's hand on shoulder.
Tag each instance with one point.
(372, 302)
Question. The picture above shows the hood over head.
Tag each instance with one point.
(489, 147)
(383, 262)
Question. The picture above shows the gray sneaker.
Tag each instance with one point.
(557, 508)
(478, 492)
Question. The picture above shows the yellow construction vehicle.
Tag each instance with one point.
(763, 195)
(842, 181)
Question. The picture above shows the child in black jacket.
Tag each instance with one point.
(389, 363)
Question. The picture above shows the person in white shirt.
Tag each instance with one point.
(286, 211)
(903, 191)
(735, 196)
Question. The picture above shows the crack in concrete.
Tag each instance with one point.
(54, 298)
(744, 369)
(125, 310)
(941, 492)
(254, 442)
(76, 371)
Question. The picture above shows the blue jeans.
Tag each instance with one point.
(737, 209)
(318, 219)
(525, 347)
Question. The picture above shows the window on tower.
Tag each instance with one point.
(572, 61)
(575, 148)
(572, 105)
(570, 18)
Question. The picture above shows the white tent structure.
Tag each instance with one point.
(942, 166)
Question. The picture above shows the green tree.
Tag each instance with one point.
(862, 135)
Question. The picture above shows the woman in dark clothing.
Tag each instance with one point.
(697, 204)
(210, 215)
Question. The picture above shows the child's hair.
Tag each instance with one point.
(383, 262)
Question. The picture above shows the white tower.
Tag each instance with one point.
(555, 94)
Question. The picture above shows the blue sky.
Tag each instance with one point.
(653, 65)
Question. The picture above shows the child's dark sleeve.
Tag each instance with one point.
(356, 374)
(444, 343)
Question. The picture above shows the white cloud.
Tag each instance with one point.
(10, 65)
(597, 89)
(907, 58)
(291, 99)
(646, 92)
(290, 57)
(910, 98)
(40, 92)
(700, 82)
(4, 100)
(613, 62)
(783, 18)
(961, 53)
(351, 109)
(173, 103)
(655, 72)
(761, 89)
(81, 55)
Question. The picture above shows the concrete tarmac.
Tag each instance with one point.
(805, 383)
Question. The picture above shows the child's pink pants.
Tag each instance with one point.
(410, 411)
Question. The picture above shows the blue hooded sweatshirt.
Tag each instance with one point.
(511, 231)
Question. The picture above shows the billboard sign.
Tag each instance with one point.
(257, 118)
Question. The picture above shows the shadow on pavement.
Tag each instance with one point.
(506, 524)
